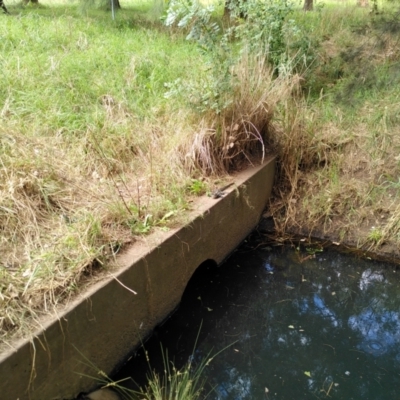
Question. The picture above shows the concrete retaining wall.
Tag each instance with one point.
(108, 321)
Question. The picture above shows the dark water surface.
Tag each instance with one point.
(303, 325)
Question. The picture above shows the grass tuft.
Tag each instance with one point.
(186, 383)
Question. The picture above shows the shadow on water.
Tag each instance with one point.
(306, 324)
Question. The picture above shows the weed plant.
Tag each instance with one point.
(186, 383)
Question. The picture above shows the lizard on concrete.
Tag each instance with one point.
(218, 193)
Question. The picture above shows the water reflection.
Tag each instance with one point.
(303, 326)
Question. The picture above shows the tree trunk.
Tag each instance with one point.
(227, 10)
(308, 5)
(3, 6)
(110, 4)
(116, 4)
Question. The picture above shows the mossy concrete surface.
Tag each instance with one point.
(109, 320)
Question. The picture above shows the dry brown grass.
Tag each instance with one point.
(338, 182)
(68, 203)
(339, 154)
(243, 131)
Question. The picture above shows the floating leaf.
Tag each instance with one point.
(291, 326)
(307, 373)
(209, 309)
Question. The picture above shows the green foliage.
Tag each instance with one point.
(375, 235)
(193, 15)
(186, 383)
(301, 48)
(206, 93)
(262, 33)
(197, 187)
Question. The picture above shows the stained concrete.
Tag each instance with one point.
(108, 320)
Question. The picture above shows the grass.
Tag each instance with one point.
(344, 133)
(94, 154)
(186, 383)
(102, 138)
(86, 141)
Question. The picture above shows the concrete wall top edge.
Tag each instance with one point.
(200, 206)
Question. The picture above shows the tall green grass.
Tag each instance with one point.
(85, 144)
(185, 383)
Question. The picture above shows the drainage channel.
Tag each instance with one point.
(291, 323)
